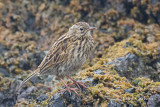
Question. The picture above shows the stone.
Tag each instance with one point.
(132, 66)
(59, 102)
(112, 103)
(4, 72)
(42, 97)
(1, 97)
(154, 101)
(130, 90)
(98, 71)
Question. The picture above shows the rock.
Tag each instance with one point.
(127, 28)
(127, 44)
(8, 103)
(36, 79)
(38, 57)
(50, 78)
(132, 66)
(4, 72)
(154, 1)
(159, 19)
(91, 81)
(154, 101)
(42, 97)
(26, 93)
(112, 103)
(30, 21)
(72, 99)
(130, 105)
(7, 95)
(65, 100)
(23, 64)
(59, 102)
(98, 71)
(130, 90)
(12, 68)
(2, 48)
(56, 101)
(1, 97)
(159, 48)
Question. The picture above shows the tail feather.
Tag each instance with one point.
(28, 78)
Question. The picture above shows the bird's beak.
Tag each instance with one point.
(92, 28)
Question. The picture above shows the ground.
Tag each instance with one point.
(126, 67)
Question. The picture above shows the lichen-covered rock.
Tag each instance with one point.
(131, 66)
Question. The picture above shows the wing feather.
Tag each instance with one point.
(57, 54)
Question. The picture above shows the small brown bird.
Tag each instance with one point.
(67, 55)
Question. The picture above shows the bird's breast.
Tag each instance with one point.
(82, 51)
(79, 52)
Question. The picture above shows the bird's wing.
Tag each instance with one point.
(57, 54)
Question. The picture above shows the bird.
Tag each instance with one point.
(68, 53)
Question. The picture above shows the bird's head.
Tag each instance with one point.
(81, 29)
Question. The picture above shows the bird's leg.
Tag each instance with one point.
(69, 89)
(78, 84)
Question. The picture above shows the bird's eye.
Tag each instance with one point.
(81, 29)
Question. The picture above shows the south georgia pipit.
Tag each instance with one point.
(67, 55)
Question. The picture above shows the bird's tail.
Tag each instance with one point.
(28, 78)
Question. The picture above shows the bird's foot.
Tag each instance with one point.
(78, 84)
(69, 90)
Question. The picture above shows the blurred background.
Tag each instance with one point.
(28, 28)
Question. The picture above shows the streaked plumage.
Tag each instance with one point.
(68, 53)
